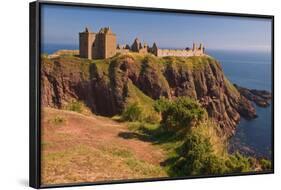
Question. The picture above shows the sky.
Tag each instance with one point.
(61, 25)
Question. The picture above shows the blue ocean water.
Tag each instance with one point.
(251, 70)
(52, 48)
(248, 69)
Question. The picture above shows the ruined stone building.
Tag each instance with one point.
(103, 45)
(99, 45)
(137, 46)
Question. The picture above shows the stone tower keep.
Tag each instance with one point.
(86, 40)
(99, 45)
(105, 44)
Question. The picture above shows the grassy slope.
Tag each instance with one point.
(78, 148)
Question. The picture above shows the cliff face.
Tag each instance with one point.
(103, 85)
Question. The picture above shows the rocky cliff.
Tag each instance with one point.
(261, 98)
(106, 86)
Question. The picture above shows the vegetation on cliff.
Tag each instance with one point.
(202, 150)
(180, 113)
(192, 141)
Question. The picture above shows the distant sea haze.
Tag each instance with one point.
(249, 69)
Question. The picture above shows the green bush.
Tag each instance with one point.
(132, 112)
(162, 104)
(152, 118)
(238, 163)
(265, 164)
(203, 153)
(76, 106)
(57, 120)
(179, 113)
(197, 157)
(214, 165)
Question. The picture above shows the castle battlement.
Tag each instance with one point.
(102, 45)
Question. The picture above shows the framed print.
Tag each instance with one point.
(129, 94)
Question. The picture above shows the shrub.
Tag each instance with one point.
(162, 104)
(214, 165)
(179, 113)
(132, 112)
(75, 106)
(197, 157)
(201, 155)
(265, 164)
(152, 118)
(57, 120)
(238, 163)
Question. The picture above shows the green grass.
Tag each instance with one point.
(136, 96)
(144, 168)
(151, 65)
(57, 120)
(133, 94)
(77, 106)
(112, 163)
(67, 65)
(102, 66)
(167, 140)
(73, 64)
(133, 112)
(187, 63)
(190, 62)
(231, 87)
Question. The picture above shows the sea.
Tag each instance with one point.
(250, 69)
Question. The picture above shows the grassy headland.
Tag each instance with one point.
(155, 124)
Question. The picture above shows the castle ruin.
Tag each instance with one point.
(99, 45)
(103, 45)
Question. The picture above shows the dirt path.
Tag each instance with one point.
(79, 148)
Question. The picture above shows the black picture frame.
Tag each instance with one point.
(34, 89)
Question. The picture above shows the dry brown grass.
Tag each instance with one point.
(88, 149)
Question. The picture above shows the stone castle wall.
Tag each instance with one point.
(123, 51)
(178, 52)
